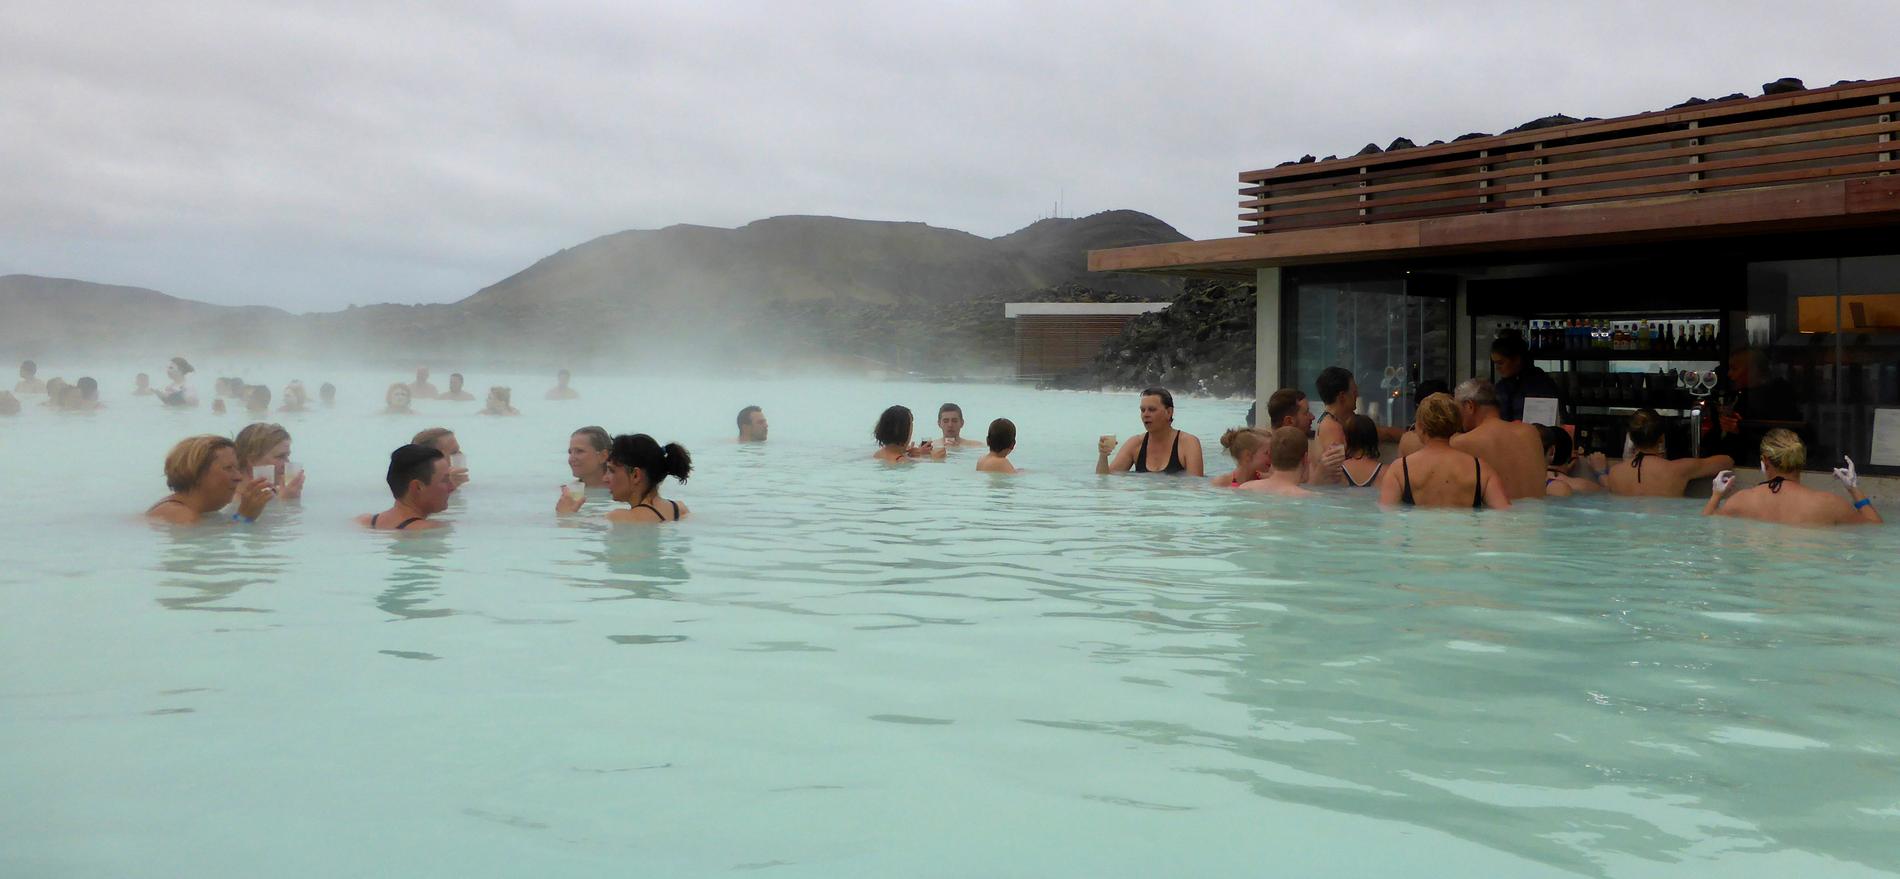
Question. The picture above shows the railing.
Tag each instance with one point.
(1774, 140)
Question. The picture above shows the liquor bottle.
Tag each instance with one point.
(1644, 342)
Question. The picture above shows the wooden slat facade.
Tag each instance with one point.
(1837, 133)
(1053, 345)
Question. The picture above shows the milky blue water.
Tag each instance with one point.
(840, 668)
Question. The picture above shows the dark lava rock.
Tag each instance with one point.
(1307, 159)
(1201, 344)
(1371, 149)
(1472, 136)
(1783, 86)
(1551, 121)
(1402, 143)
(1692, 102)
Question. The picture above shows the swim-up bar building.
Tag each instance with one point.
(1741, 253)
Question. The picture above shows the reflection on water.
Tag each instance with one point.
(644, 560)
(415, 573)
(213, 563)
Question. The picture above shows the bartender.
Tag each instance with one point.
(1518, 378)
(1762, 403)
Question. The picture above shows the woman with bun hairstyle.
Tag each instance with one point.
(1250, 449)
(1438, 475)
(636, 465)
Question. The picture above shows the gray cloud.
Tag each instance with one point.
(314, 156)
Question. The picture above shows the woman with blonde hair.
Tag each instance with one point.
(1782, 499)
(268, 445)
(1438, 475)
(500, 402)
(1250, 449)
(203, 474)
(396, 400)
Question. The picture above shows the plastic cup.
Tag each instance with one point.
(292, 471)
(459, 461)
(577, 491)
(266, 472)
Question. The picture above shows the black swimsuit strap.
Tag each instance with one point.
(676, 510)
(1774, 485)
(656, 510)
(372, 519)
(1477, 491)
(1141, 457)
(1637, 462)
(408, 522)
(1406, 465)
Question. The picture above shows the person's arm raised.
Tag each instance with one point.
(1862, 510)
(1724, 483)
(1710, 466)
(1124, 459)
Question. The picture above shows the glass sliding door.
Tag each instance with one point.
(1391, 332)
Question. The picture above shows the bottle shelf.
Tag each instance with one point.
(1653, 356)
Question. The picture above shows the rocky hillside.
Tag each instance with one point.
(909, 296)
(1203, 343)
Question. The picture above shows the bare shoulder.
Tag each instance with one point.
(172, 514)
(637, 515)
(684, 511)
(1190, 439)
(426, 525)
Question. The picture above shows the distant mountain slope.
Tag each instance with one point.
(670, 292)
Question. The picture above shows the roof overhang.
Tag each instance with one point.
(1841, 204)
(1079, 309)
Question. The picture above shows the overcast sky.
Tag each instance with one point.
(316, 156)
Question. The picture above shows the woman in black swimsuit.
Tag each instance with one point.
(420, 482)
(1362, 464)
(203, 474)
(1438, 475)
(636, 466)
(1138, 454)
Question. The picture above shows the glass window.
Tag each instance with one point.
(1389, 335)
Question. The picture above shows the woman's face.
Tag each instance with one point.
(623, 483)
(399, 397)
(222, 480)
(171, 372)
(278, 457)
(1154, 415)
(583, 459)
(1261, 460)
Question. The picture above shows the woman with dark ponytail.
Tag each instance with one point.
(636, 465)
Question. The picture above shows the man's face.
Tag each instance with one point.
(1505, 367)
(1302, 417)
(951, 423)
(422, 375)
(1470, 412)
(433, 496)
(756, 427)
(455, 382)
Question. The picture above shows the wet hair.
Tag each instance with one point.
(498, 392)
(430, 437)
(390, 394)
(745, 415)
(1242, 442)
(88, 388)
(645, 454)
(189, 461)
(1362, 437)
(328, 390)
(951, 407)
(1282, 404)
(411, 463)
(1557, 442)
(1646, 428)
(1477, 390)
(1438, 417)
(597, 437)
(893, 427)
(1332, 381)
(1167, 399)
(1510, 346)
(184, 366)
(1002, 436)
(1432, 386)
(258, 394)
(29, 367)
(1288, 448)
(1783, 450)
(256, 440)
(455, 377)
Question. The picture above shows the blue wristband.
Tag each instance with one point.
(240, 517)
(1863, 502)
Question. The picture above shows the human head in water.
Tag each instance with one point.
(752, 426)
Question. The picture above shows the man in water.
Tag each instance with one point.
(1002, 441)
(419, 480)
(1287, 452)
(455, 391)
(1782, 499)
(443, 440)
(29, 379)
(1518, 377)
(752, 426)
(561, 391)
(1288, 408)
(257, 400)
(142, 386)
(420, 389)
(1513, 450)
(1649, 472)
(950, 422)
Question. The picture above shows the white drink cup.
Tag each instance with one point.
(266, 472)
(459, 461)
(292, 471)
(577, 491)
